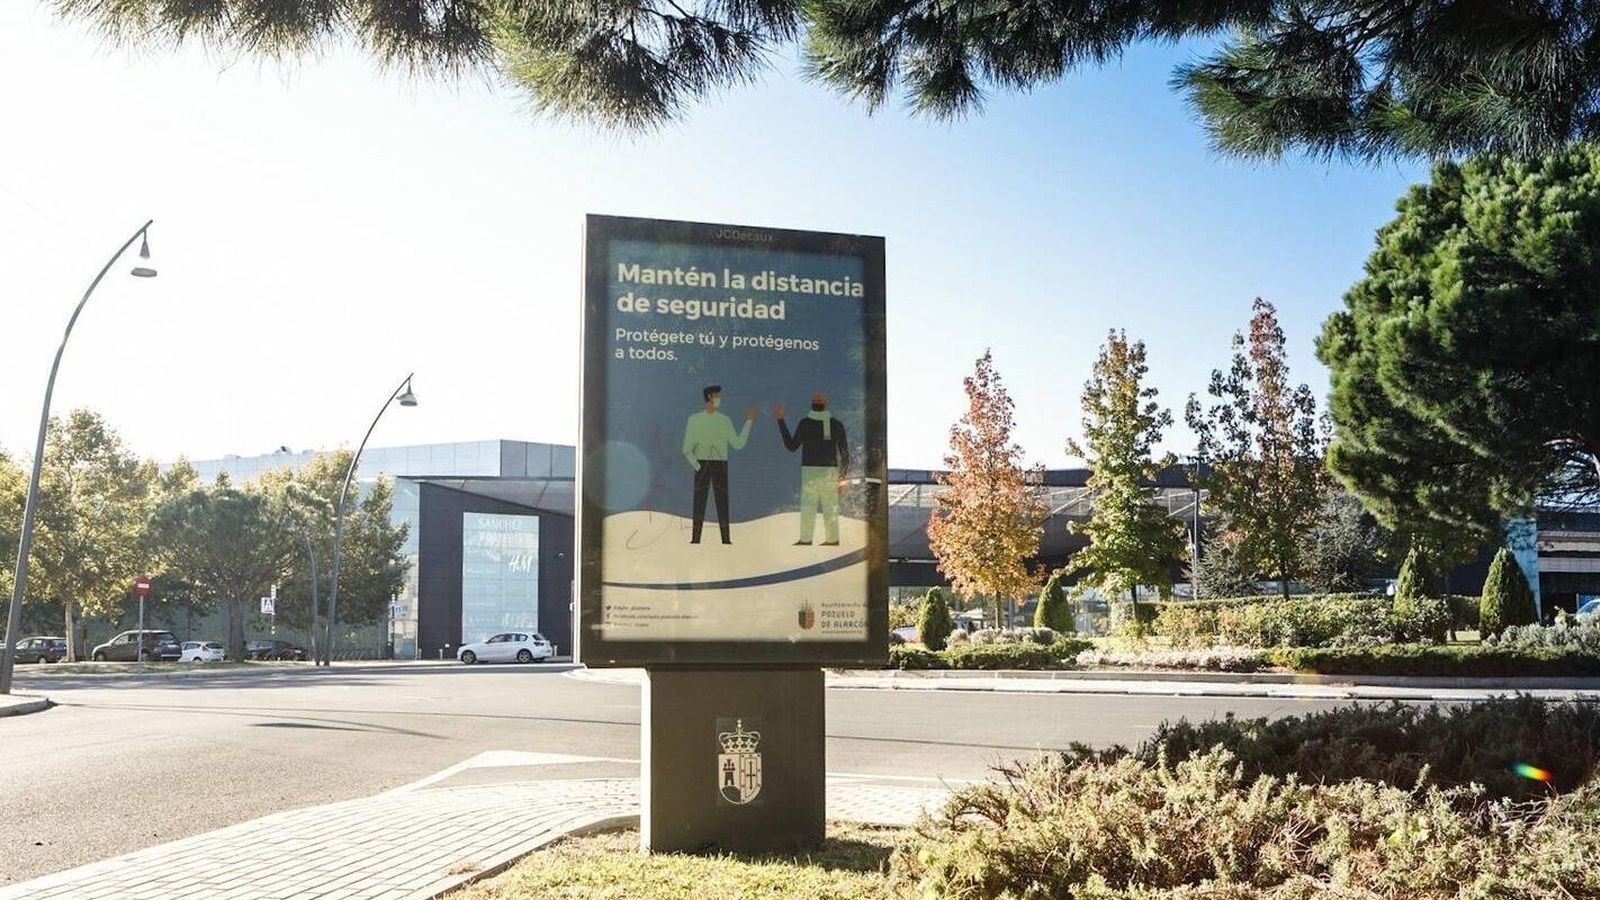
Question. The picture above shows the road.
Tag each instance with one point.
(126, 762)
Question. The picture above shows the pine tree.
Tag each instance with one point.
(934, 623)
(1132, 541)
(990, 514)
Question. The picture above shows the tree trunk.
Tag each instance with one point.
(236, 608)
(1283, 580)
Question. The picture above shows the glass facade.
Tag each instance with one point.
(499, 574)
(407, 511)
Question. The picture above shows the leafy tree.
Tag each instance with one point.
(89, 539)
(990, 514)
(1132, 541)
(934, 623)
(1345, 547)
(232, 543)
(1055, 607)
(1507, 597)
(373, 567)
(1262, 445)
(1361, 78)
(1463, 365)
(13, 498)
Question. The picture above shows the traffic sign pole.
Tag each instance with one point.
(141, 586)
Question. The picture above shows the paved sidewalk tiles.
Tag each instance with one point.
(408, 844)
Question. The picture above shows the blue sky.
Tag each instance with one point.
(325, 227)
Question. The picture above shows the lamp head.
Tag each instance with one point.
(144, 269)
(407, 398)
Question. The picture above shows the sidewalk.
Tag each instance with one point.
(416, 842)
(1184, 684)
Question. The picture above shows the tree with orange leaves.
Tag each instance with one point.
(991, 512)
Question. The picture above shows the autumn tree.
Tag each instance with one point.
(990, 515)
(1132, 541)
(1261, 443)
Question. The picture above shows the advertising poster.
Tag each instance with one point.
(732, 464)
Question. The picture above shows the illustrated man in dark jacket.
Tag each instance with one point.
(824, 453)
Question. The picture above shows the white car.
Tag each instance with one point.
(512, 646)
(202, 651)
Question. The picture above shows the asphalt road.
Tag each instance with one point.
(126, 762)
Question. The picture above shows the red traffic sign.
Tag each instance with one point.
(141, 586)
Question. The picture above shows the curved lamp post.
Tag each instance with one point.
(406, 398)
(19, 585)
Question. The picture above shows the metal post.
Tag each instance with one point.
(141, 632)
(31, 509)
(338, 523)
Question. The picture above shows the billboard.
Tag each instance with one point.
(731, 466)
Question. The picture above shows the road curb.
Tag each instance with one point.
(23, 707)
(505, 861)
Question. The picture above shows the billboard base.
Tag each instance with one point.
(732, 759)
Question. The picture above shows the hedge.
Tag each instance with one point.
(1307, 620)
(1465, 661)
(1008, 655)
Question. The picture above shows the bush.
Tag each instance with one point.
(934, 622)
(1396, 801)
(1471, 660)
(1055, 611)
(909, 657)
(1067, 647)
(1507, 598)
(958, 637)
(1215, 659)
(1420, 620)
(1121, 828)
(1403, 745)
(1578, 632)
(1187, 625)
(1317, 620)
(1004, 656)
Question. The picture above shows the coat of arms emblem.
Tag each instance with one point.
(807, 616)
(739, 764)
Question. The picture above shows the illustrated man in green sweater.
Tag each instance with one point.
(706, 440)
(824, 453)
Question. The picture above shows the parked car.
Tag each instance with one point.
(513, 646)
(202, 651)
(41, 650)
(274, 650)
(124, 647)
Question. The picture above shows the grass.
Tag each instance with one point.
(850, 864)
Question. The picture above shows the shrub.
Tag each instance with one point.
(1403, 744)
(1123, 828)
(1055, 610)
(1067, 647)
(1507, 598)
(1577, 632)
(958, 637)
(1418, 613)
(1471, 660)
(1214, 659)
(909, 657)
(1318, 620)
(1187, 624)
(1003, 656)
(987, 636)
(934, 623)
(1420, 620)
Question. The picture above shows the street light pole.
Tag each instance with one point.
(30, 511)
(406, 398)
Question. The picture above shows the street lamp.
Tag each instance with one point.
(30, 511)
(405, 397)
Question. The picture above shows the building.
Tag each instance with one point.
(490, 541)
